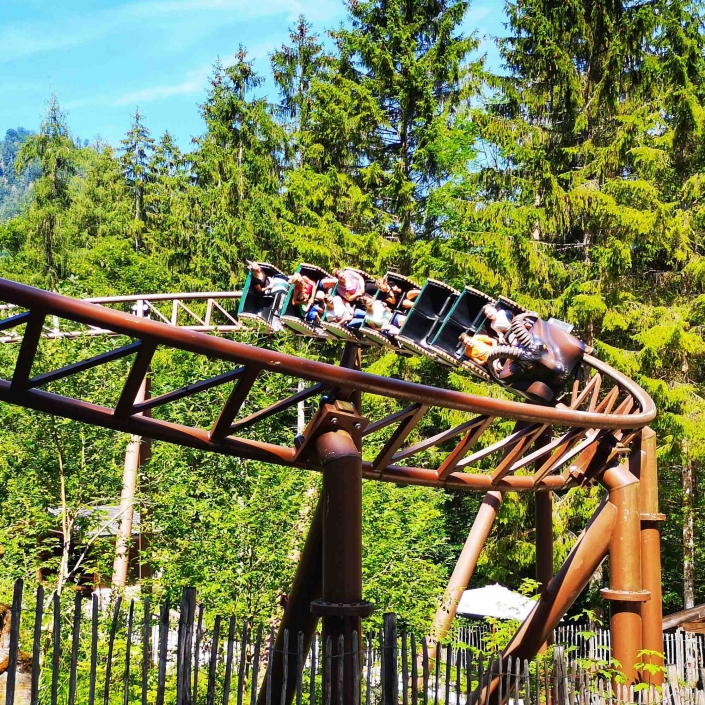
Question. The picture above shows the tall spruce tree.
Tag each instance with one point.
(54, 150)
(137, 147)
(295, 67)
(237, 166)
(328, 218)
(170, 198)
(411, 56)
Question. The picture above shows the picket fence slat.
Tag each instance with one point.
(270, 654)
(197, 654)
(14, 646)
(229, 660)
(128, 652)
(94, 650)
(146, 630)
(299, 668)
(340, 667)
(163, 646)
(56, 653)
(414, 671)
(327, 670)
(368, 691)
(111, 646)
(242, 664)
(210, 695)
(75, 643)
(312, 682)
(37, 645)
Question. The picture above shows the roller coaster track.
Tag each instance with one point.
(597, 434)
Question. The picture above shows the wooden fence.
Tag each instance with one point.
(54, 652)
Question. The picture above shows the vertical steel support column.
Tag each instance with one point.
(651, 611)
(544, 538)
(341, 605)
(625, 591)
(544, 544)
(352, 359)
(464, 568)
(297, 615)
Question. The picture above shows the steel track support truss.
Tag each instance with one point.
(597, 434)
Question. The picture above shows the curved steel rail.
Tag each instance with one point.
(594, 417)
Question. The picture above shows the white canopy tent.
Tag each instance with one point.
(494, 601)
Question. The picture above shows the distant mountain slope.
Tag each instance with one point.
(13, 188)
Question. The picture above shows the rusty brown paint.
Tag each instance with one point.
(651, 611)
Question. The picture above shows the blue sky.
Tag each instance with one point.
(103, 58)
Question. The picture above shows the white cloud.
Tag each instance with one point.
(24, 40)
(194, 82)
(181, 18)
(477, 13)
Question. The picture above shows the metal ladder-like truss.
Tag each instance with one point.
(604, 409)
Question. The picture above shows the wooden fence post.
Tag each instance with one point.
(390, 684)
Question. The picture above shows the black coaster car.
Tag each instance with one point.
(539, 361)
(466, 316)
(423, 321)
(291, 315)
(263, 309)
(377, 337)
(404, 284)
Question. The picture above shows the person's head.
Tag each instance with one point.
(490, 310)
(382, 284)
(320, 297)
(297, 281)
(337, 272)
(255, 268)
(465, 339)
(367, 301)
(328, 300)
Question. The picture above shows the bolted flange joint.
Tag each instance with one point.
(325, 608)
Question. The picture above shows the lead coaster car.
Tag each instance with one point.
(262, 310)
(291, 315)
(539, 361)
(426, 316)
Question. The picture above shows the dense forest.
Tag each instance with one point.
(573, 180)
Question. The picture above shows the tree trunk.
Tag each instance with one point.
(688, 535)
(127, 498)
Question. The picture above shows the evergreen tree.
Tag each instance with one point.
(55, 151)
(169, 203)
(137, 148)
(411, 57)
(329, 218)
(102, 204)
(237, 165)
(295, 67)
